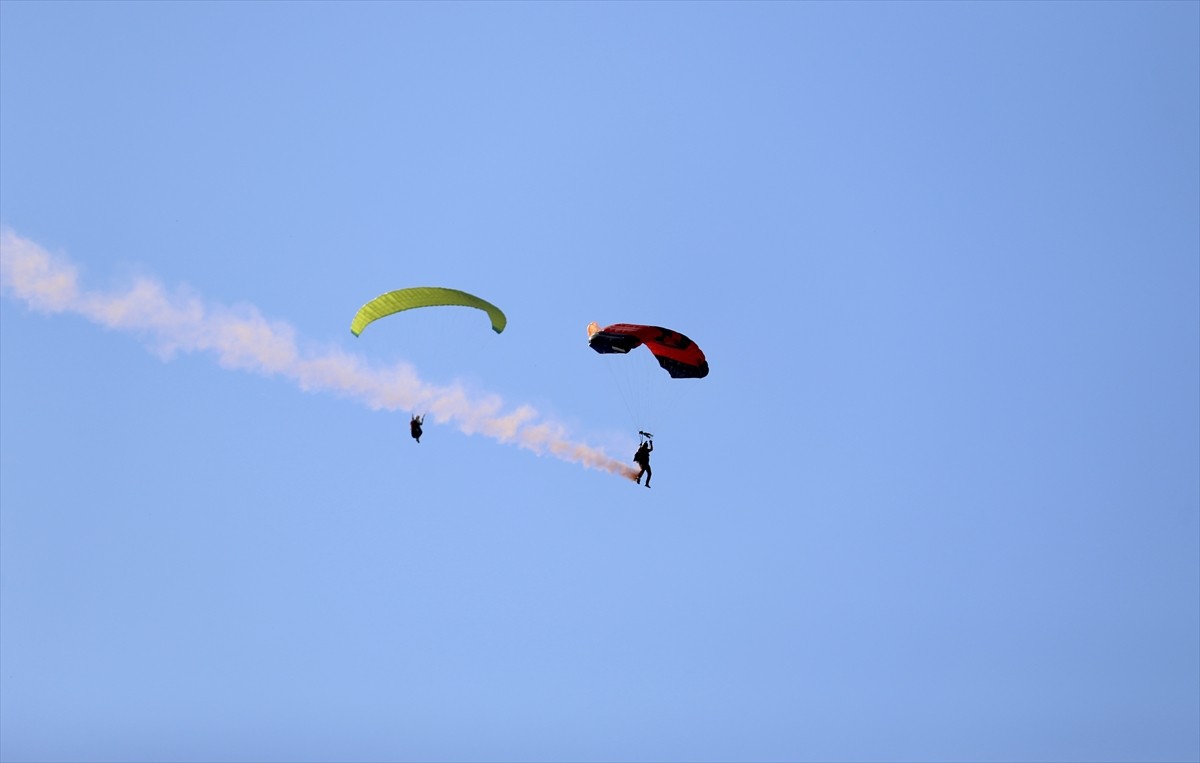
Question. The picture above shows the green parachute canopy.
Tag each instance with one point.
(422, 296)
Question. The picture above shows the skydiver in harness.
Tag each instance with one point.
(642, 457)
(415, 427)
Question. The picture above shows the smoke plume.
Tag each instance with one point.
(241, 338)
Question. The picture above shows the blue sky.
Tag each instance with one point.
(939, 498)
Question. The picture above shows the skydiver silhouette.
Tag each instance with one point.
(415, 427)
(642, 459)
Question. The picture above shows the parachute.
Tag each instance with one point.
(422, 296)
(650, 397)
(677, 354)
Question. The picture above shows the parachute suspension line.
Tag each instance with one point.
(624, 389)
(649, 396)
(650, 353)
(653, 399)
(648, 388)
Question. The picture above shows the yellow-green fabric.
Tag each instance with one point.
(422, 296)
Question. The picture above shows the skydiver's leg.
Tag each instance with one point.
(648, 474)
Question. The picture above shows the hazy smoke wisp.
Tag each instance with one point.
(241, 338)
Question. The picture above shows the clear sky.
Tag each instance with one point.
(938, 500)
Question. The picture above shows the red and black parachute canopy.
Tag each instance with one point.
(679, 355)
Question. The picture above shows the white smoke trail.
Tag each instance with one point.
(241, 338)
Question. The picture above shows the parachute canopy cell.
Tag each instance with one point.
(677, 354)
(422, 296)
